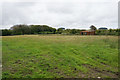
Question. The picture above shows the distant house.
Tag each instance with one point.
(87, 32)
(103, 28)
(62, 28)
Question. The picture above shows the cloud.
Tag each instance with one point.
(69, 14)
(0, 14)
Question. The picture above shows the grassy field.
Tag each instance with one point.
(0, 57)
(50, 56)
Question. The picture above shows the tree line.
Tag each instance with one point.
(28, 29)
(23, 29)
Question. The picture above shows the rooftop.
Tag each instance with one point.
(87, 31)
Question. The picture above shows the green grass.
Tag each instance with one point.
(0, 57)
(50, 56)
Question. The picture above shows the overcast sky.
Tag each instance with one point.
(79, 14)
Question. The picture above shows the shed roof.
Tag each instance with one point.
(103, 28)
(87, 31)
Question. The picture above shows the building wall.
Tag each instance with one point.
(88, 33)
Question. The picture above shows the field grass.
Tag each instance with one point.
(56, 56)
(0, 57)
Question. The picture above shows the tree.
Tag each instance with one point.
(6, 32)
(110, 30)
(73, 31)
(21, 29)
(41, 29)
(60, 30)
(92, 27)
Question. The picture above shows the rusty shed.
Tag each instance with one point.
(87, 32)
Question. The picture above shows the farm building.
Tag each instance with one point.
(87, 32)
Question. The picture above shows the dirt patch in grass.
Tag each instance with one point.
(79, 73)
(59, 72)
(96, 72)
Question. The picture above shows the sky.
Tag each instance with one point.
(73, 14)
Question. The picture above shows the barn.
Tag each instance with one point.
(87, 32)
